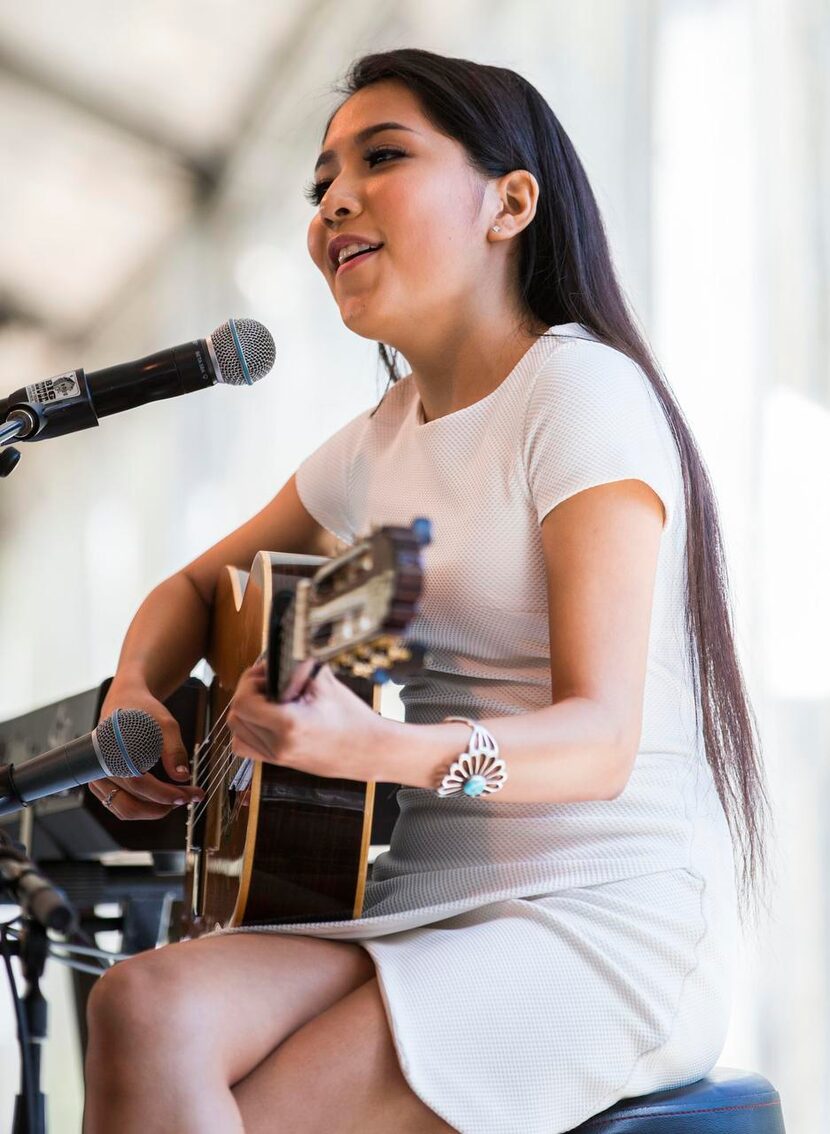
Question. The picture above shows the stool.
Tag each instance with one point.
(726, 1101)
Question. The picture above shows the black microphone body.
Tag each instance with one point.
(165, 374)
(71, 765)
(127, 743)
(36, 895)
(237, 353)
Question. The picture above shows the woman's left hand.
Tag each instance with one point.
(328, 731)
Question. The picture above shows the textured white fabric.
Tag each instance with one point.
(537, 961)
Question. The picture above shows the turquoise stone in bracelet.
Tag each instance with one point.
(475, 785)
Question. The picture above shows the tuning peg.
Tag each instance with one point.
(398, 652)
(413, 661)
(422, 530)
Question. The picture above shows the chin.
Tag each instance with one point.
(358, 316)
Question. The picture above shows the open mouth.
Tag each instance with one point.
(358, 258)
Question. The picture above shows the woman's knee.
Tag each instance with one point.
(148, 995)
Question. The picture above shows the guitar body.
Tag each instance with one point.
(270, 844)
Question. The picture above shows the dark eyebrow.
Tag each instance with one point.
(362, 136)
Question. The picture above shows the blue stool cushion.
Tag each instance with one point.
(727, 1101)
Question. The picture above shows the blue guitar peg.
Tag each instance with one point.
(422, 530)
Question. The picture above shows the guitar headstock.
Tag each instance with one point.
(352, 612)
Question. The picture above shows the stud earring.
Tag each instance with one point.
(496, 228)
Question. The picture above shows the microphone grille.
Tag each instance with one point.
(244, 350)
(130, 742)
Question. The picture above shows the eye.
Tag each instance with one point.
(314, 191)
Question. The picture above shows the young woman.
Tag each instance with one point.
(533, 953)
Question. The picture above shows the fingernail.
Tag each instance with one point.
(181, 769)
(179, 802)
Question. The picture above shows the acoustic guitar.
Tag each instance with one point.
(269, 844)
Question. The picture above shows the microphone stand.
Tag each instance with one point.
(9, 429)
(31, 945)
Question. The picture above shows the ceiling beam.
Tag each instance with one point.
(54, 84)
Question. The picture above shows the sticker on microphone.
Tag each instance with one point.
(54, 389)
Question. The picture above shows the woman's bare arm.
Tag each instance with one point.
(601, 549)
(169, 634)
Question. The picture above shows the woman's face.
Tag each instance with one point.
(413, 192)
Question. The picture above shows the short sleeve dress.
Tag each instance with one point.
(537, 961)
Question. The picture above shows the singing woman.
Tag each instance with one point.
(536, 946)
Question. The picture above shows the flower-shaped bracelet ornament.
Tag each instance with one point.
(479, 770)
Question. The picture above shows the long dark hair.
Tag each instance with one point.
(566, 275)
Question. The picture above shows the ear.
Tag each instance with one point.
(518, 195)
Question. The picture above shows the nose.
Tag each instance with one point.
(338, 204)
(339, 214)
(332, 217)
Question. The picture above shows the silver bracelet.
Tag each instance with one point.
(478, 771)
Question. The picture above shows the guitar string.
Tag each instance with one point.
(217, 778)
(202, 805)
(208, 740)
(216, 773)
(223, 764)
(207, 747)
(222, 767)
(213, 773)
(206, 750)
(209, 743)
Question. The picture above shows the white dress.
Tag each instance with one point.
(537, 962)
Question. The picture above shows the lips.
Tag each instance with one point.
(344, 239)
(358, 259)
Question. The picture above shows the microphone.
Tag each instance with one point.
(238, 353)
(32, 891)
(127, 743)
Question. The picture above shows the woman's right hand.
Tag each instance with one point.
(146, 797)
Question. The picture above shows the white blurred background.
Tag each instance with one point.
(153, 158)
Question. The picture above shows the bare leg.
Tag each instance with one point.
(338, 1073)
(172, 1028)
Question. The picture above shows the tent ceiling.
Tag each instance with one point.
(113, 121)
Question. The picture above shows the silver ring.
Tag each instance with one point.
(108, 800)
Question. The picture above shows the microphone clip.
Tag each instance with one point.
(46, 409)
